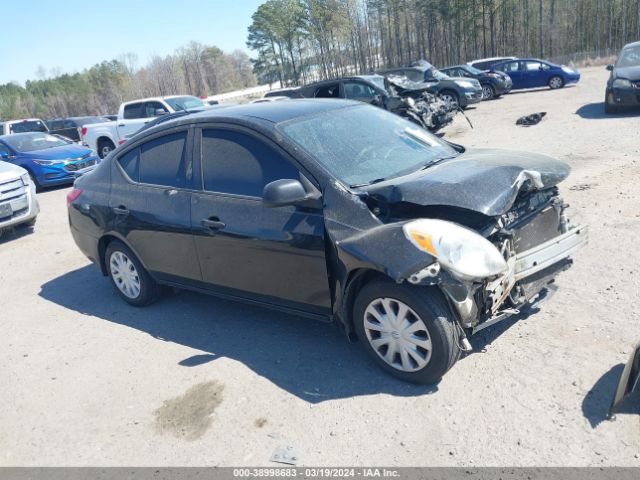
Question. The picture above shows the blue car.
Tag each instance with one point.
(49, 159)
(534, 73)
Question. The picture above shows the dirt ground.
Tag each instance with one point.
(193, 380)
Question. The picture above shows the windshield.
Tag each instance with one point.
(362, 144)
(28, 126)
(630, 57)
(28, 142)
(438, 75)
(473, 70)
(184, 103)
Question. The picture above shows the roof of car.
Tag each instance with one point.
(632, 45)
(490, 59)
(274, 112)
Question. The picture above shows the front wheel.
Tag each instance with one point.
(488, 92)
(132, 281)
(449, 98)
(409, 331)
(556, 82)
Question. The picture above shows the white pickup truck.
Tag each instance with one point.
(132, 116)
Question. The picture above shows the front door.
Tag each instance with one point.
(151, 205)
(274, 255)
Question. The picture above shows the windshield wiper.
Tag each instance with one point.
(366, 184)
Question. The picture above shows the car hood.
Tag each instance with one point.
(486, 181)
(630, 73)
(58, 153)
(10, 172)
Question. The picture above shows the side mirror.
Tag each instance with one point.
(5, 155)
(610, 67)
(158, 112)
(283, 192)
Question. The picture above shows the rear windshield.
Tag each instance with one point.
(28, 126)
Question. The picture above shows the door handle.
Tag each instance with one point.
(171, 192)
(121, 210)
(213, 223)
(122, 125)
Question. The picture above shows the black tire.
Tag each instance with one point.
(149, 290)
(556, 82)
(30, 224)
(432, 309)
(450, 93)
(488, 92)
(608, 107)
(105, 147)
(37, 186)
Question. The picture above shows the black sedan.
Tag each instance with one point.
(493, 84)
(334, 210)
(623, 87)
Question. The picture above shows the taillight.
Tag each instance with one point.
(73, 194)
(120, 142)
(83, 131)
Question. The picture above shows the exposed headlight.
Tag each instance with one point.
(48, 162)
(465, 84)
(465, 253)
(25, 179)
(621, 83)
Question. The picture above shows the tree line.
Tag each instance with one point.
(301, 40)
(195, 69)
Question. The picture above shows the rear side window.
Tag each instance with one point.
(163, 161)
(133, 110)
(328, 91)
(129, 163)
(236, 163)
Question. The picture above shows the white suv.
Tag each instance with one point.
(23, 125)
(18, 202)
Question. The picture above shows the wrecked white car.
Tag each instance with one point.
(335, 210)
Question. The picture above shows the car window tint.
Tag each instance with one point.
(129, 163)
(151, 107)
(133, 110)
(237, 163)
(509, 67)
(328, 91)
(163, 161)
(358, 90)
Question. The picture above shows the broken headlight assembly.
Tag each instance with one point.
(463, 252)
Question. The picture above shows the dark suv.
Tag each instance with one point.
(623, 86)
(493, 84)
(459, 91)
(334, 210)
(70, 127)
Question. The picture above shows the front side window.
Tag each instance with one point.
(239, 164)
(328, 91)
(150, 109)
(133, 110)
(163, 161)
(359, 91)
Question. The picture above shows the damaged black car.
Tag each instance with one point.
(338, 211)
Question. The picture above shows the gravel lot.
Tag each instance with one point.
(193, 380)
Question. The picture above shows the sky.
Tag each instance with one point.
(71, 35)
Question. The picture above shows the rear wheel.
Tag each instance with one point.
(488, 92)
(133, 283)
(556, 82)
(409, 331)
(105, 147)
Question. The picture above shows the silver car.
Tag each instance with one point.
(18, 202)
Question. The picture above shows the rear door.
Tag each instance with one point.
(513, 70)
(274, 255)
(151, 203)
(533, 74)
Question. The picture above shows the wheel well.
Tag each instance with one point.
(355, 281)
(105, 139)
(103, 243)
